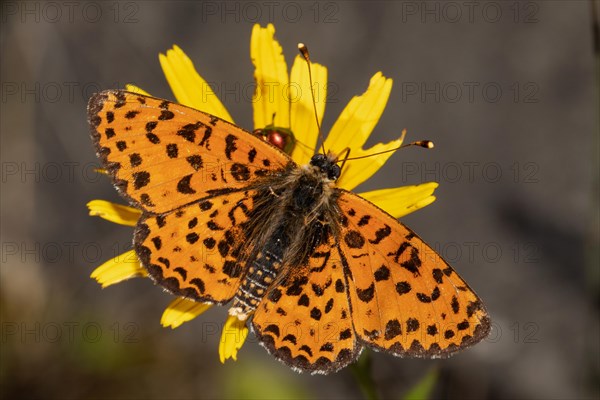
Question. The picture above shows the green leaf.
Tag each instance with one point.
(422, 390)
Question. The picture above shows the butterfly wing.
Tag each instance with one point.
(305, 322)
(163, 155)
(194, 251)
(405, 299)
(188, 171)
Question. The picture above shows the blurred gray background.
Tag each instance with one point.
(505, 89)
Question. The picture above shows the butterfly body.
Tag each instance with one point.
(320, 272)
(294, 210)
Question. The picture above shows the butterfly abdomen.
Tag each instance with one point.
(262, 271)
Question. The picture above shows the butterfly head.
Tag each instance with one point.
(326, 164)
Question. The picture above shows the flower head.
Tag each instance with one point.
(281, 99)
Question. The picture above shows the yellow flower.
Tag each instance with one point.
(284, 100)
(233, 337)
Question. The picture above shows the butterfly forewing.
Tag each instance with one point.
(405, 298)
(163, 155)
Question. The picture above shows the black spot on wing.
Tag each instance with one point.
(367, 294)
(152, 138)
(166, 115)
(403, 287)
(437, 275)
(354, 239)
(188, 132)
(182, 272)
(454, 304)
(192, 238)
(364, 220)
(412, 325)
(183, 186)
(240, 172)
(150, 126)
(207, 133)
(230, 146)
(131, 114)
(251, 155)
(392, 329)
(315, 314)
(382, 274)
(413, 263)
(145, 200)
(195, 161)
(140, 179)
(135, 159)
(381, 234)
(172, 150)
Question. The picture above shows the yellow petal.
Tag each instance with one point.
(182, 310)
(118, 269)
(356, 172)
(352, 129)
(132, 88)
(304, 125)
(271, 76)
(117, 213)
(233, 337)
(357, 121)
(402, 200)
(188, 86)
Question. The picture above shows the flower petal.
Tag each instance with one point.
(117, 213)
(402, 200)
(303, 123)
(132, 88)
(233, 337)
(271, 76)
(182, 310)
(352, 129)
(357, 121)
(188, 86)
(118, 269)
(356, 172)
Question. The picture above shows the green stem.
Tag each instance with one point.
(362, 374)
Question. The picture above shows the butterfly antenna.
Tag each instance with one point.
(304, 51)
(345, 158)
(427, 144)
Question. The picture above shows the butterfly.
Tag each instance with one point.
(318, 271)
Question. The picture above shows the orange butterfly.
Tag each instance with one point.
(320, 271)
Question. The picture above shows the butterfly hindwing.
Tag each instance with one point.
(405, 298)
(305, 322)
(194, 251)
(163, 155)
